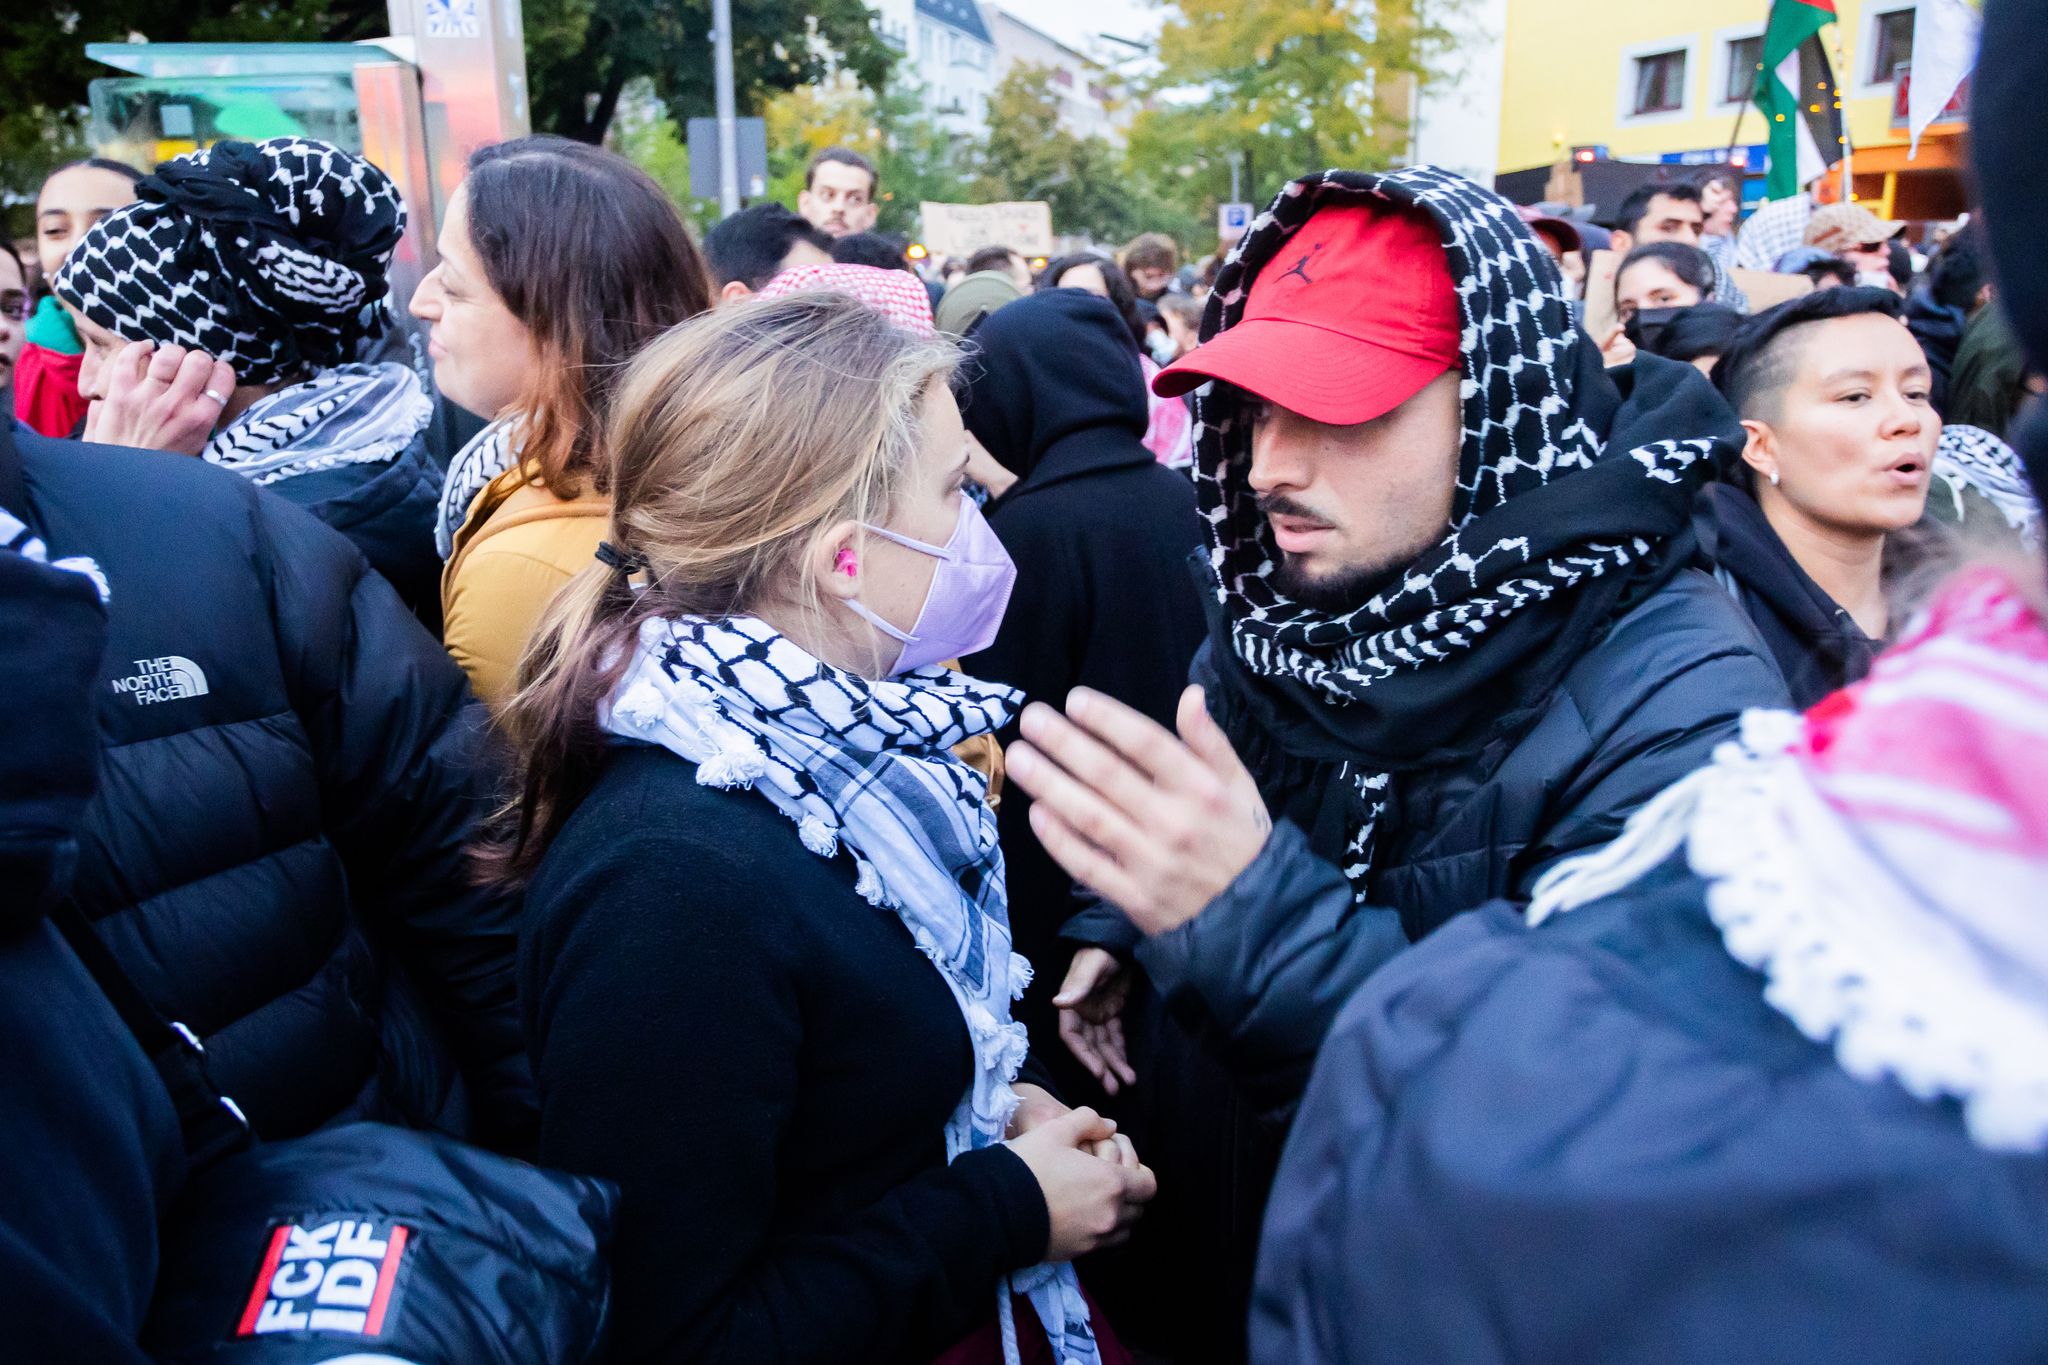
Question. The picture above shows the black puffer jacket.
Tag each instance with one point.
(1269, 963)
(387, 511)
(290, 770)
(93, 1151)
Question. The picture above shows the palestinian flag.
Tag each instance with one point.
(1796, 91)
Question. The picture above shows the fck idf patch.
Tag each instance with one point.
(339, 1276)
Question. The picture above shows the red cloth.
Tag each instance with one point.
(46, 391)
(984, 1346)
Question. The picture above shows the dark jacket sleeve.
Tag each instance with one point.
(1269, 963)
(669, 1047)
(406, 773)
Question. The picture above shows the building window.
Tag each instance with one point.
(1064, 77)
(1660, 83)
(1892, 42)
(1744, 54)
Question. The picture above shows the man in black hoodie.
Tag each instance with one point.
(1459, 638)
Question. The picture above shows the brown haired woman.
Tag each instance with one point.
(766, 969)
(558, 262)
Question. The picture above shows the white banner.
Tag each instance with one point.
(963, 229)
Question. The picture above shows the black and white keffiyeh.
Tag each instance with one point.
(1567, 496)
(868, 764)
(487, 454)
(351, 414)
(1972, 460)
(270, 256)
(17, 538)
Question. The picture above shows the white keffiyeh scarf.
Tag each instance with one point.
(868, 763)
(350, 414)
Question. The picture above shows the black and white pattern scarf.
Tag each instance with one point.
(270, 256)
(351, 414)
(1971, 459)
(1559, 513)
(868, 764)
(488, 454)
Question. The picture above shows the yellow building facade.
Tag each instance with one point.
(1650, 80)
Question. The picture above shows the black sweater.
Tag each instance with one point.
(765, 1063)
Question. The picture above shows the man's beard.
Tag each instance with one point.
(1337, 593)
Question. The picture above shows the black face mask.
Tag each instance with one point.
(1645, 328)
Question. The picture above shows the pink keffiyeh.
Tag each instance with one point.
(897, 295)
(1883, 861)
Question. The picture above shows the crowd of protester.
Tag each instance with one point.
(1452, 782)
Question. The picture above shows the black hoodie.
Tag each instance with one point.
(1815, 643)
(1101, 533)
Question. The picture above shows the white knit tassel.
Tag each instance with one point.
(1006, 1323)
(1655, 831)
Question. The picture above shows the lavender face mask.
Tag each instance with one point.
(969, 593)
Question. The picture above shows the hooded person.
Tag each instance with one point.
(1432, 731)
(1399, 717)
(1101, 534)
(269, 259)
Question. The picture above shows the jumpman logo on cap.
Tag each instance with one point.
(1300, 267)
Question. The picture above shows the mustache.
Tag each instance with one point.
(1280, 505)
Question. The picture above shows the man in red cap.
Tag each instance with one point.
(1458, 636)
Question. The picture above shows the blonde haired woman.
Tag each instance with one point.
(766, 970)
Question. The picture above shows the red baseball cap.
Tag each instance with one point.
(1353, 316)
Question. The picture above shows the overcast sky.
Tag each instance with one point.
(1076, 22)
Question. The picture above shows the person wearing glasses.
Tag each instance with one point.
(13, 318)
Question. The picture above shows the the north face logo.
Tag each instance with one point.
(336, 1277)
(166, 679)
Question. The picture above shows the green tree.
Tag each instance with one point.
(1286, 85)
(1029, 154)
(581, 54)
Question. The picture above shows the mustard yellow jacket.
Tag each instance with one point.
(516, 549)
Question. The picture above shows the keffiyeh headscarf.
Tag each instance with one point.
(897, 295)
(1569, 501)
(867, 763)
(270, 256)
(1880, 860)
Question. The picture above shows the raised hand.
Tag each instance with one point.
(1159, 825)
(160, 398)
